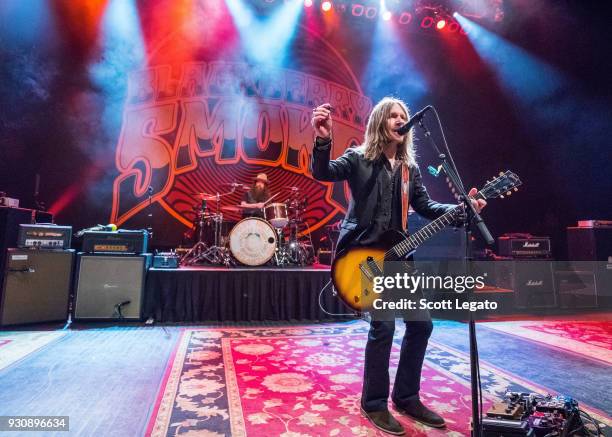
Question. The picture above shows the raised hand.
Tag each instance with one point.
(321, 120)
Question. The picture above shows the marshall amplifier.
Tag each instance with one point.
(533, 284)
(44, 236)
(524, 247)
(121, 242)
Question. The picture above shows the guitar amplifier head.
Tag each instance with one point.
(45, 236)
(533, 247)
(120, 242)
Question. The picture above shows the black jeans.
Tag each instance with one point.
(376, 370)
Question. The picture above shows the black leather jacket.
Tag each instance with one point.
(363, 180)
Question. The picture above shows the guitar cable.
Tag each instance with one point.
(321, 303)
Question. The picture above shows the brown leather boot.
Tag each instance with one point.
(419, 412)
(384, 421)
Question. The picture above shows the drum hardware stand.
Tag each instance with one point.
(214, 254)
(282, 256)
(293, 251)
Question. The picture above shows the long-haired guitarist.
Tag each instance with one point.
(384, 180)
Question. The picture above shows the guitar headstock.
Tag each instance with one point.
(501, 185)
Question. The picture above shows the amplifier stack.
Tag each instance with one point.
(588, 280)
(528, 270)
(111, 272)
(37, 277)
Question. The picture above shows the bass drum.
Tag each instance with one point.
(253, 241)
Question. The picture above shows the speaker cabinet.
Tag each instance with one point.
(36, 286)
(110, 286)
(577, 289)
(534, 285)
(589, 244)
(532, 282)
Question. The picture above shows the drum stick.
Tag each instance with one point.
(267, 201)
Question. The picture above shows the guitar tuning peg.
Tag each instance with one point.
(515, 189)
(501, 173)
(501, 197)
(508, 193)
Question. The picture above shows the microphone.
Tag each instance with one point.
(414, 119)
(111, 227)
(124, 303)
(119, 306)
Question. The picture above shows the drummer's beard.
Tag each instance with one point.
(260, 194)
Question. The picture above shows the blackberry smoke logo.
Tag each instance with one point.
(190, 127)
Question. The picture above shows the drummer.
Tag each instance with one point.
(255, 198)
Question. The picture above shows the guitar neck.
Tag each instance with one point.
(426, 232)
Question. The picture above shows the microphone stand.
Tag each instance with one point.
(472, 215)
(150, 213)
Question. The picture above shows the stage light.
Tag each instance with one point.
(427, 22)
(405, 18)
(357, 10)
(440, 24)
(386, 15)
(308, 3)
(326, 6)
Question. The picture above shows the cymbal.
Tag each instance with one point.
(231, 184)
(292, 188)
(205, 196)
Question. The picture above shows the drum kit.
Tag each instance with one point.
(275, 239)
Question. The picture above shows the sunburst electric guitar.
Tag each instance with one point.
(354, 269)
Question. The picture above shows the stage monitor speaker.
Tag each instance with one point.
(36, 286)
(576, 289)
(110, 286)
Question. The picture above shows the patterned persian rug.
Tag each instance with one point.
(589, 339)
(299, 382)
(16, 345)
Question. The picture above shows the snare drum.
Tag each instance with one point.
(276, 213)
(253, 241)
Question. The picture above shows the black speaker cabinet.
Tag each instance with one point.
(589, 244)
(110, 286)
(532, 282)
(36, 286)
(577, 289)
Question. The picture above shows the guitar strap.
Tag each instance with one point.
(405, 182)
